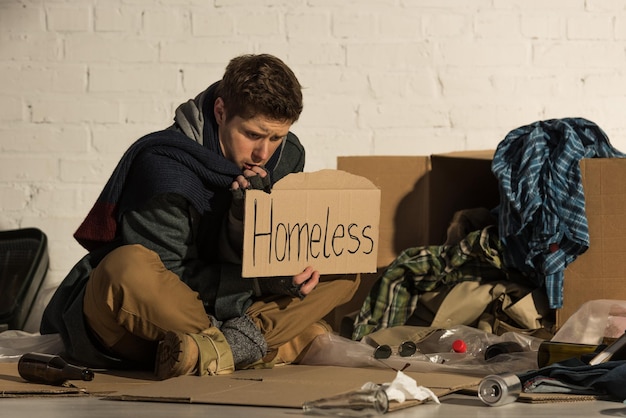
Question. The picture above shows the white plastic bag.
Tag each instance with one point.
(14, 343)
(593, 321)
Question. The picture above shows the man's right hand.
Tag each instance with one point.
(255, 178)
(307, 280)
(298, 285)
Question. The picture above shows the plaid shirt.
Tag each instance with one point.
(392, 300)
(542, 221)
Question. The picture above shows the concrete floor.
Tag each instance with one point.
(56, 406)
(451, 406)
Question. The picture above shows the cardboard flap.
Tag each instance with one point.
(324, 180)
(486, 154)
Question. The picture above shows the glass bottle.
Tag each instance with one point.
(359, 403)
(50, 369)
(553, 352)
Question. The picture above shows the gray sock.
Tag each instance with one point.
(245, 339)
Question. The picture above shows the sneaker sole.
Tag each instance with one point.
(170, 358)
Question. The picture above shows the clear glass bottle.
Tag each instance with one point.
(358, 403)
(50, 369)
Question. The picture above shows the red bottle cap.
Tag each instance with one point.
(459, 346)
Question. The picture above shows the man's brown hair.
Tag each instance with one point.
(260, 85)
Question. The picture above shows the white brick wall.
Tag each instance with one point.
(82, 79)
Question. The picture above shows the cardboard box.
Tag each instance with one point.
(326, 219)
(600, 272)
(419, 195)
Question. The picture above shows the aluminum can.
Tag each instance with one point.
(499, 389)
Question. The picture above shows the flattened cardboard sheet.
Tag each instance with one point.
(538, 398)
(541, 398)
(13, 385)
(327, 219)
(285, 386)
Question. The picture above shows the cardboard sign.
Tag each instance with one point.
(326, 219)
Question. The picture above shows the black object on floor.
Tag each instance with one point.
(23, 266)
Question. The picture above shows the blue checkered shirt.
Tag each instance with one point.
(541, 215)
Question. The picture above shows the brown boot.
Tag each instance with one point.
(206, 353)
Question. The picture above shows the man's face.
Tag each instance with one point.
(249, 142)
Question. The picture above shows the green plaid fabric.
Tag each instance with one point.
(393, 298)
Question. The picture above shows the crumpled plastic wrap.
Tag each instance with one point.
(15, 343)
(434, 353)
(594, 321)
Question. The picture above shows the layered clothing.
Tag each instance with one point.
(169, 193)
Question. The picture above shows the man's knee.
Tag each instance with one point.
(343, 286)
(126, 267)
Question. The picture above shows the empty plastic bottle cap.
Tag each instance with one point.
(459, 346)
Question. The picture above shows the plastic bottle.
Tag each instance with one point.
(471, 345)
(459, 346)
(50, 369)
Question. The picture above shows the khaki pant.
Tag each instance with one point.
(131, 301)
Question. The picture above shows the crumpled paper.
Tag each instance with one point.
(404, 387)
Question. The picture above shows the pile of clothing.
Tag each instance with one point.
(538, 229)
